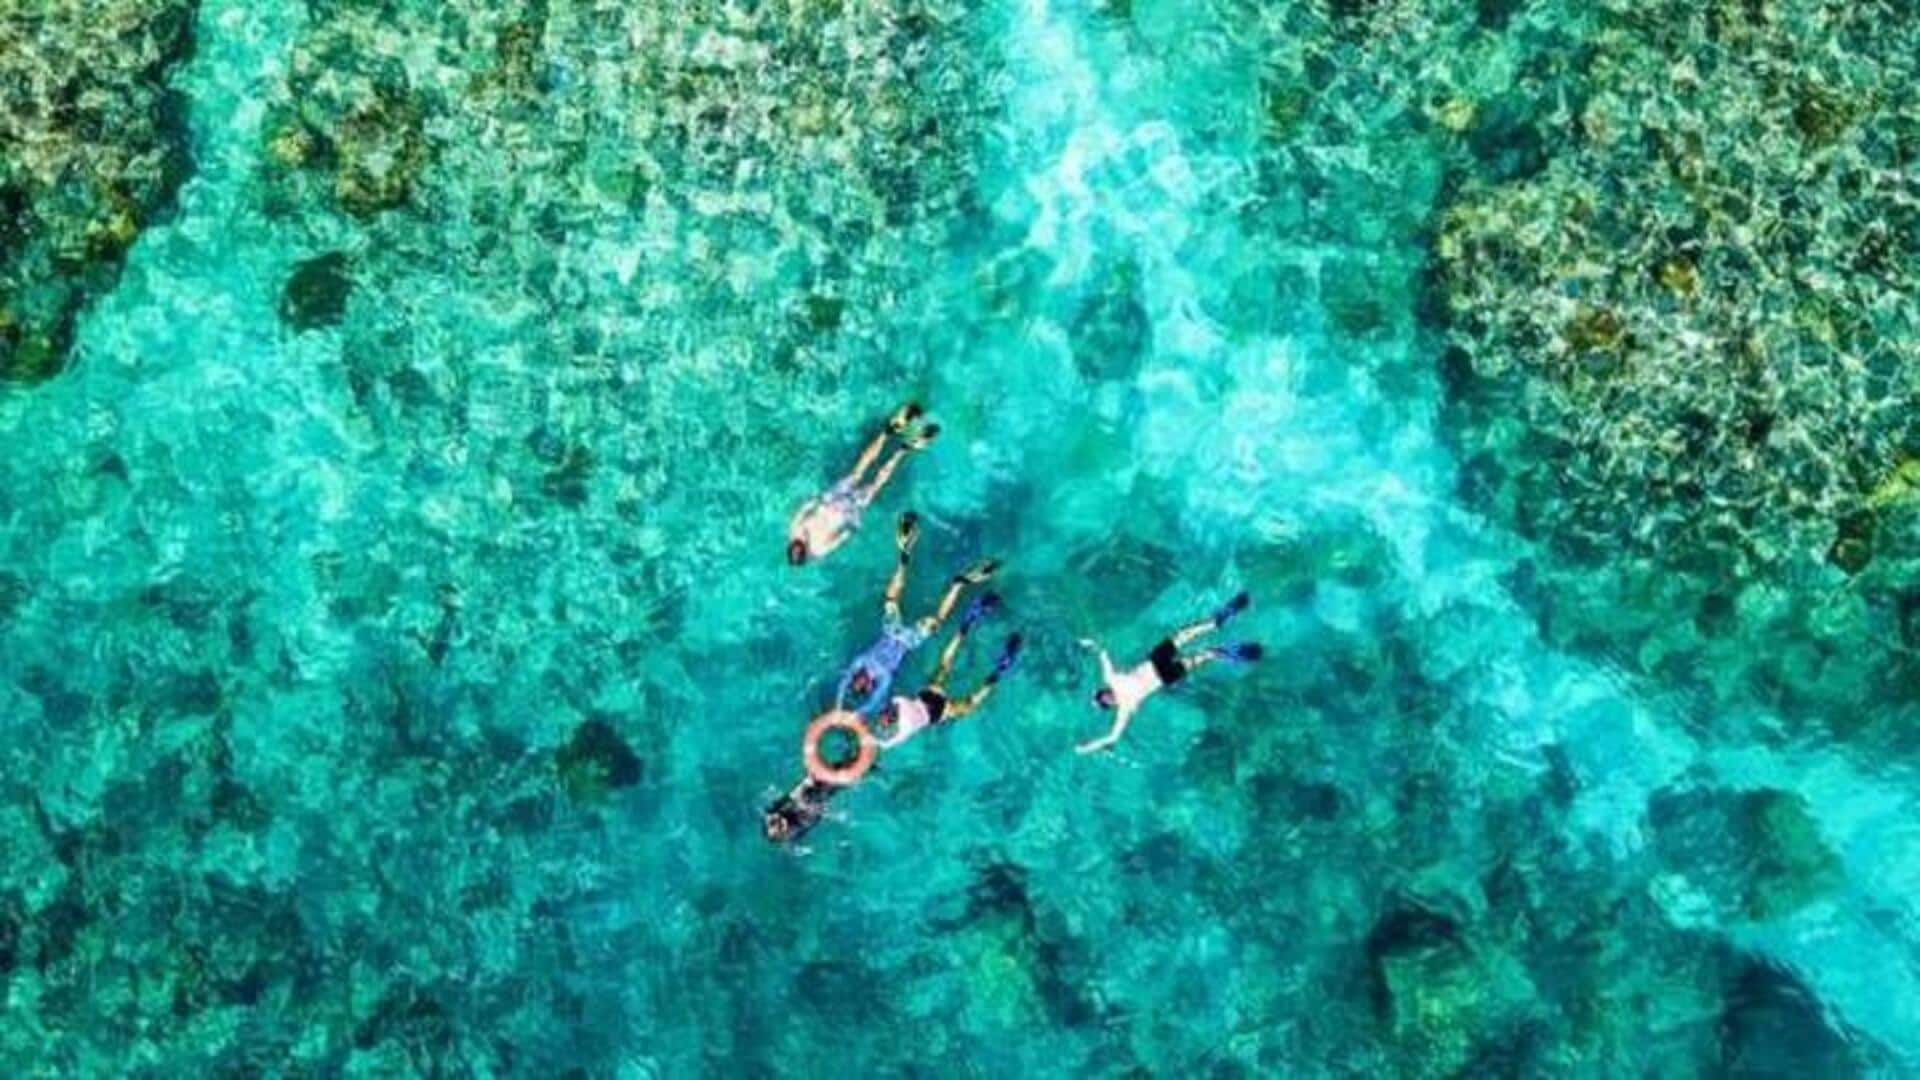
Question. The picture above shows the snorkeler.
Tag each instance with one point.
(1124, 691)
(799, 810)
(824, 522)
(905, 717)
(870, 676)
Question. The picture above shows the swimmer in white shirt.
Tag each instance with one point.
(905, 717)
(1125, 691)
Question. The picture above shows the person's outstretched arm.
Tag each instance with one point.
(1106, 662)
(1120, 721)
(846, 683)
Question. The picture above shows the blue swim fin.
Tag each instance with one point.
(1009, 655)
(980, 608)
(1231, 608)
(1240, 652)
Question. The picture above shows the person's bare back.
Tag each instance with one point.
(825, 521)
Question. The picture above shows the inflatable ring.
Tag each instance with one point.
(852, 771)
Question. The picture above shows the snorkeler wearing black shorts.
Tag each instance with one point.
(905, 717)
(1124, 691)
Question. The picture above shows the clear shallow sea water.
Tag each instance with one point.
(288, 698)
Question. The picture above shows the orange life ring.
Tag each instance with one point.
(852, 771)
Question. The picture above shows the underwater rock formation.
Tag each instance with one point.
(95, 148)
(812, 125)
(596, 760)
(1685, 341)
(1699, 317)
(1674, 350)
(317, 291)
(1446, 1000)
(1023, 955)
(1774, 1027)
(1753, 855)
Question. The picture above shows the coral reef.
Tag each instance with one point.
(1755, 855)
(595, 760)
(1697, 316)
(817, 126)
(1684, 340)
(95, 148)
(1668, 255)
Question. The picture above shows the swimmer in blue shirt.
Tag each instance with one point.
(869, 678)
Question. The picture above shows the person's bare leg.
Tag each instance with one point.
(896, 425)
(947, 657)
(887, 468)
(960, 707)
(909, 444)
(1197, 660)
(1008, 654)
(1212, 622)
(867, 458)
(973, 575)
(904, 538)
(1240, 652)
(1188, 633)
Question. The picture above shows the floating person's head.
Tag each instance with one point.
(796, 552)
(776, 826)
(1103, 697)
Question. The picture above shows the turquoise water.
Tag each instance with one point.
(400, 695)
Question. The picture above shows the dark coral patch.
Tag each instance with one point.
(316, 293)
(596, 759)
(96, 149)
